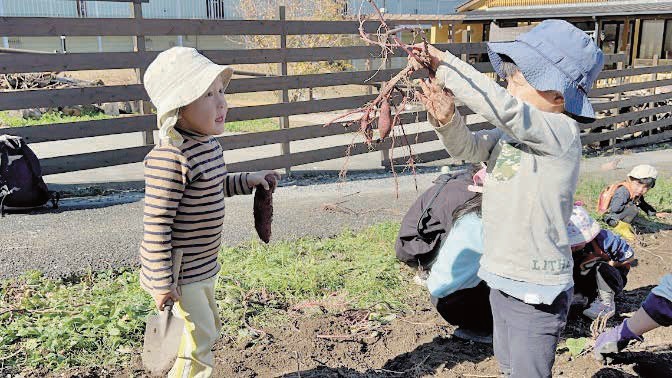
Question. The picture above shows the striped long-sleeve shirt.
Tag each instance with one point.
(184, 211)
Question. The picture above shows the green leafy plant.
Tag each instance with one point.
(577, 346)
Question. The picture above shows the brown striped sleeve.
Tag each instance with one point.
(166, 172)
(236, 184)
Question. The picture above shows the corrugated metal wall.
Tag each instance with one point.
(190, 9)
(210, 9)
(63, 8)
(213, 9)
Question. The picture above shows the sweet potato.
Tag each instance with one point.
(385, 120)
(365, 128)
(263, 209)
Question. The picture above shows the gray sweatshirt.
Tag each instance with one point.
(528, 195)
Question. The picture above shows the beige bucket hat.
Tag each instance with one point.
(643, 171)
(176, 78)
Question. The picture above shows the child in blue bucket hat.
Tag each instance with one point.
(533, 156)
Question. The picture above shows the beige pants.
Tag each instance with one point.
(201, 330)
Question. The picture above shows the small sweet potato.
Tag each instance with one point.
(365, 128)
(263, 209)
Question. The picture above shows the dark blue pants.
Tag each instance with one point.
(586, 282)
(526, 336)
(659, 309)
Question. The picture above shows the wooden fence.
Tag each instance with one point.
(615, 92)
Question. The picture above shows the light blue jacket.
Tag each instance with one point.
(664, 289)
(458, 261)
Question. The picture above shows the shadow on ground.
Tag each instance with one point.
(644, 364)
(82, 203)
(650, 225)
(425, 360)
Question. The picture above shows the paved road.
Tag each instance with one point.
(102, 232)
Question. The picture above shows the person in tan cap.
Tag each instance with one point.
(186, 182)
(620, 203)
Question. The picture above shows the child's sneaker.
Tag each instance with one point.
(604, 305)
(601, 309)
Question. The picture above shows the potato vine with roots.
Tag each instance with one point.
(382, 111)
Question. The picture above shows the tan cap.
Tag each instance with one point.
(643, 171)
(176, 78)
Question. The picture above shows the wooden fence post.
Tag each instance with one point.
(367, 67)
(465, 39)
(284, 121)
(139, 46)
(654, 77)
(617, 97)
(385, 153)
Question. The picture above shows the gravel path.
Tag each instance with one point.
(104, 232)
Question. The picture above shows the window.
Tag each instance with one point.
(15, 42)
(610, 38)
(215, 9)
(667, 41)
(507, 24)
(81, 8)
(649, 38)
(629, 40)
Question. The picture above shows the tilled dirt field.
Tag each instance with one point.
(418, 343)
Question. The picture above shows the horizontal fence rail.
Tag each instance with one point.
(13, 63)
(83, 27)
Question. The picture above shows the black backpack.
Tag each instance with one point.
(21, 183)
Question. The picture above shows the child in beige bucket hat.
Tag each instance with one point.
(176, 78)
(186, 182)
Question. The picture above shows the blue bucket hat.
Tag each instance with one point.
(558, 56)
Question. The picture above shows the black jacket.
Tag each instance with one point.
(430, 219)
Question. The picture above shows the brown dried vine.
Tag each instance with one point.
(379, 110)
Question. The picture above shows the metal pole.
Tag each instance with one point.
(5, 40)
(178, 6)
(100, 39)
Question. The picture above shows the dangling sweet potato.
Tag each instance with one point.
(263, 209)
(385, 120)
(365, 128)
